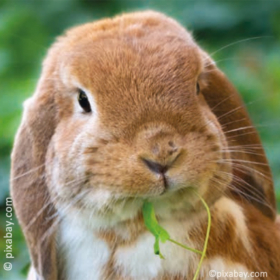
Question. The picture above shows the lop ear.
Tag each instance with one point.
(28, 186)
(252, 177)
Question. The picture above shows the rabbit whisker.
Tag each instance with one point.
(221, 102)
(34, 219)
(239, 129)
(234, 59)
(241, 152)
(238, 42)
(237, 181)
(242, 161)
(246, 169)
(27, 172)
(241, 182)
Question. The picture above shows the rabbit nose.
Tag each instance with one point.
(161, 159)
(156, 167)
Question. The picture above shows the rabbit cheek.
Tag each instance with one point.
(65, 170)
(223, 175)
(59, 178)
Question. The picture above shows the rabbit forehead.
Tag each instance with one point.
(121, 62)
(128, 73)
(146, 45)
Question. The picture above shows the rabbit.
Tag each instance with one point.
(130, 109)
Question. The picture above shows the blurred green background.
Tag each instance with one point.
(243, 36)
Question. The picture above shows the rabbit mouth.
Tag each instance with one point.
(116, 210)
(165, 183)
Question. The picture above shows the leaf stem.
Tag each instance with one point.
(185, 247)
(206, 237)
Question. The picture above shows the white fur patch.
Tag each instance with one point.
(81, 253)
(33, 275)
(179, 260)
(227, 206)
(139, 261)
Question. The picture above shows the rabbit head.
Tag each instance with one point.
(127, 109)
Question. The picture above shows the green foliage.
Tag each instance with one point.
(161, 235)
(152, 225)
(27, 28)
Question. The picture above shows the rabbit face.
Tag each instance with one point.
(134, 125)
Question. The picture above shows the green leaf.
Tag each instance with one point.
(152, 225)
(162, 235)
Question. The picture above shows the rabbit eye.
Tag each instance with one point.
(197, 88)
(83, 101)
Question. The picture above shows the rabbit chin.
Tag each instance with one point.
(100, 209)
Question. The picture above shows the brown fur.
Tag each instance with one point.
(142, 70)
